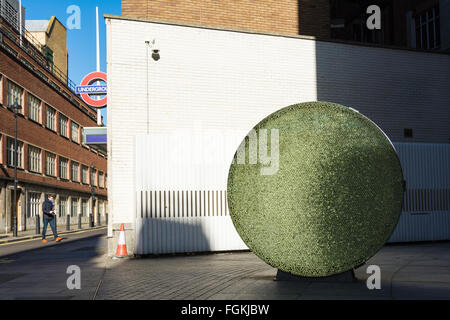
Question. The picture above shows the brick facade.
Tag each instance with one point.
(306, 17)
(23, 69)
(30, 132)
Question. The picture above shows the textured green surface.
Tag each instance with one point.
(335, 200)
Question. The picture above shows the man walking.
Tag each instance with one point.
(49, 217)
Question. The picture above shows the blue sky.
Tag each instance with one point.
(80, 42)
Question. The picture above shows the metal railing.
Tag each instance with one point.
(30, 45)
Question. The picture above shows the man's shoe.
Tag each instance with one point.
(58, 239)
(44, 241)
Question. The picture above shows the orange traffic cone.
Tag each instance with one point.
(121, 246)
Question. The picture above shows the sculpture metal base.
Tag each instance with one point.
(348, 276)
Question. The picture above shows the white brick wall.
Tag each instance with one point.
(232, 80)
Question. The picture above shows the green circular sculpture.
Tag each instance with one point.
(330, 203)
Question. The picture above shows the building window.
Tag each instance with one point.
(74, 207)
(75, 132)
(50, 164)
(10, 14)
(14, 93)
(63, 125)
(34, 203)
(84, 207)
(50, 116)
(34, 108)
(428, 35)
(101, 182)
(11, 152)
(34, 159)
(62, 206)
(48, 54)
(75, 172)
(85, 175)
(63, 168)
(93, 177)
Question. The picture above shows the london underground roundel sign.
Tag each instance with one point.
(87, 89)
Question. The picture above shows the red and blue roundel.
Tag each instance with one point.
(86, 89)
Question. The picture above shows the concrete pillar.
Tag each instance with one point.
(8, 209)
(3, 209)
(41, 215)
(25, 206)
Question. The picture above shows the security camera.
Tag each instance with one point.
(155, 49)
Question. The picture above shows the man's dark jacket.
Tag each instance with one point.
(46, 208)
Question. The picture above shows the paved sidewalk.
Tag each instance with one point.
(412, 271)
(32, 270)
(31, 234)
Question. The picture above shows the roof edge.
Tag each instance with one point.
(304, 37)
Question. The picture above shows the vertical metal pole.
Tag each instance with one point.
(148, 94)
(99, 113)
(79, 221)
(15, 176)
(91, 220)
(20, 21)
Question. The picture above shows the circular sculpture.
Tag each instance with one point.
(334, 200)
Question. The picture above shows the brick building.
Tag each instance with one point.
(407, 23)
(51, 156)
(309, 17)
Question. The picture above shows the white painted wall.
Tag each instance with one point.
(227, 80)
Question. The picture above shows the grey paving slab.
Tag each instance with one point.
(243, 276)
(420, 290)
(33, 271)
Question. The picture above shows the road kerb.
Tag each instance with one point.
(38, 236)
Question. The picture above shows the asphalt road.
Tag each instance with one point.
(33, 270)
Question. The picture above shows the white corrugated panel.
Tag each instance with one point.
(426, 206)
(181, 203)
(182, 206)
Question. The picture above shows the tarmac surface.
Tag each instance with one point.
(32, 270)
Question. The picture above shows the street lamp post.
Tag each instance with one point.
(91, 219)
(16, 108)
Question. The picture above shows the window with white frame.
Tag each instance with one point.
(50, 164)
(34, 204)
(428, 35)
(75, 171)
(50, 117)
(101, 182)
(63, 125)
(62, 206)
(75, 132)
(74, 207)
(84, 207)
(93, 177)
(85, 175)
(10, 148)
(34, 108)
(13, 94)
(34, 159)
(63, 168)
